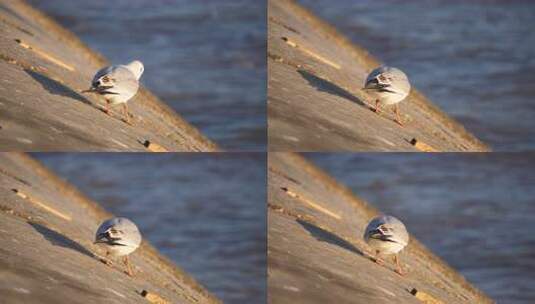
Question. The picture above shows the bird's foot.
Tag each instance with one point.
(127, 116)
(129, 269)
(128, 121)
(400, 271)
(376, 109)
(398, 119)
(105, 261)
(378, 261)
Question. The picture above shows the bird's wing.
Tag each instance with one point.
(101, 73)
(115, 80)
(373, 74)
(398, 79)
(379, 79)
(381, 231)
(112, 232)
(104, 227)
(131, 234)
(397, 229)
(387, 228)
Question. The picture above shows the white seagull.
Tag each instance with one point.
(117, 84)
(389, 86)
(387, 235)
(120, 236)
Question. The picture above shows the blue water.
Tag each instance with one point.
(204, 211)
(475, 211)
(475, 59)
(206, 59)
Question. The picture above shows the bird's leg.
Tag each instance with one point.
(377, 106)
(398, 117)
(378, 259)
(398, 265)
(125, 112)
(106, 260)
(107, 107)
(129, 269)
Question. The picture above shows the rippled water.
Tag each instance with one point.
(205, 58)
(476, 211)
(475, 59)
(204, 211)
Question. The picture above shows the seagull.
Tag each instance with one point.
(389, 86)
(121, 237)
(117, 84)
(387, 235)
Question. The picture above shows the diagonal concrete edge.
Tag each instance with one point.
(44, 69)
(314, 97)
(47, 252)
(316, 253)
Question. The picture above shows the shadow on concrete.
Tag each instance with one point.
(12, 13)
(324, 85)
(326, 236)
(58, 239)
(70, 139)
(56, 88)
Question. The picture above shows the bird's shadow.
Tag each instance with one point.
(56, 88)
(323, 235)
(13, 13)
(58, 239)
(324, 85)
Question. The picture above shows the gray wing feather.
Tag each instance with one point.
(131, 234)
(395, 229)
(398, 80)
(373, 74)
(102, 72)
(116, 80)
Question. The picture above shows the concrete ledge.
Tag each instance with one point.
(44, 68)
(47, 253)
(315, 102)
(316, 253)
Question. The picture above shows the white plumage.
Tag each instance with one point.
(120, 236)
(389, 86)
(117, 83)
(386, 235)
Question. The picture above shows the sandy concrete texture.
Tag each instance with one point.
(316, 253)
(315, 101)
(44, 68)
(47, 253)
